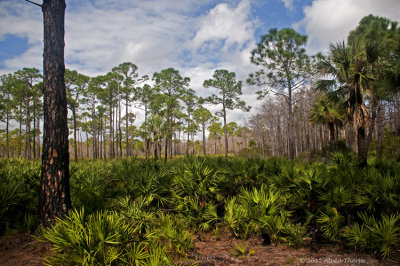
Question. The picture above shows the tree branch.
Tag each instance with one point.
(34, 3)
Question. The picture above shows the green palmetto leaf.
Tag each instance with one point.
(386, 231)
(136, 254)
(97, 238)
(330, 222)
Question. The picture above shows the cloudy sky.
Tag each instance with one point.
(194, 36)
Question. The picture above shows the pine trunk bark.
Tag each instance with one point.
(34, 131)
(38, 141)
(331, 127)
(20, 134)
(204, 140)
(225, 131)
(7, 140)
(291, 142)
(55, 191)
(87, 145)
(119, 127)
(128, 150)
(75, 147)
(380, 131)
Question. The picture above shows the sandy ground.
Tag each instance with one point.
(22, 249)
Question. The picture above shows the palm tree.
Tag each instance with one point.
(352, 66)
(328, 111)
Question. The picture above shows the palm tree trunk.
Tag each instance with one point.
(362, 146)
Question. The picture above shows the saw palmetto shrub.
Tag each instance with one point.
(19, 194)
(162, 204)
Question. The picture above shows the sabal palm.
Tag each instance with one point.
(327, 110)
(354, 68)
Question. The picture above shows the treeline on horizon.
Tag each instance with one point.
(348, 99)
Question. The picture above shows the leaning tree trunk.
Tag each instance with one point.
(55, 191)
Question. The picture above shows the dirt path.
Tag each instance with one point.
(21, 249)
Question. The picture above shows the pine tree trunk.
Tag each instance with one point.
(193, 143)
(166, 147)
(27, 143)
(20, 134)
(87, 145)
(55, 191)
(128, 151)
(290, 124)
(187, 142)
(101, 138)
(94, 129)
(7, 140)
(225, 133)
(119, 126)
(204, 140)
(75, 147)
(81, 142)
(371, 129)
(380, 133)
(331, 127)
(34, 130)
(111, 130)
(38, 140)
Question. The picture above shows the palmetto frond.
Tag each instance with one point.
(385, 232)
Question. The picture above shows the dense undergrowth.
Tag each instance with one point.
(136, 211)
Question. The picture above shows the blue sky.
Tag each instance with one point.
(195, 37)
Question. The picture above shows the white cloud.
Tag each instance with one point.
(23, 20)
(153, 34)
(227, 25)
(328, 21)
(146, 35)
(31, 58)
(288, 4)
